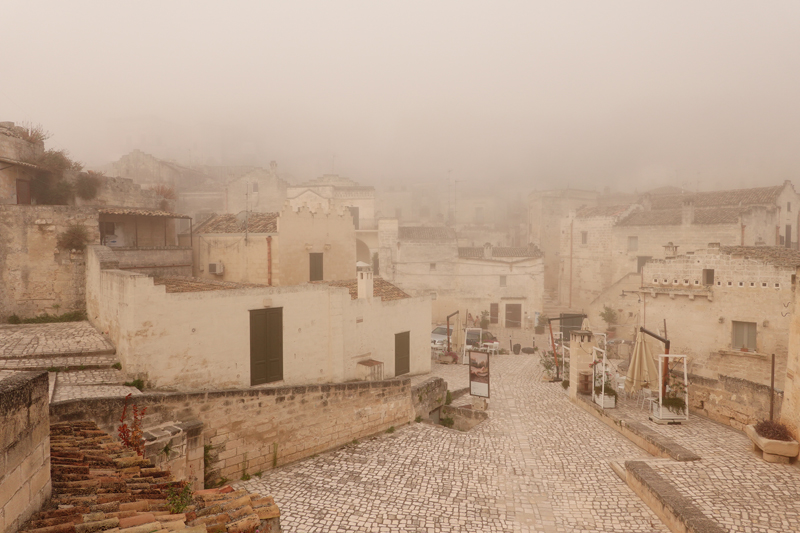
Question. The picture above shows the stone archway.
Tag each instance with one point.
(363, 252)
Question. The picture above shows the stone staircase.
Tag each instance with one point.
(100, 485)
(81, 362)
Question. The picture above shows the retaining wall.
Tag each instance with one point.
(732, 401)
(24, 448)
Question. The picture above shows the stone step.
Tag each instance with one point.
(47, 355)
(61, 362)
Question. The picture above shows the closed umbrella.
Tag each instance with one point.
(642, 370)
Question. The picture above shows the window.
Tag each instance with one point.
(494, 313)
(354, 212)
(633, 243)
(788, 207)
(708, 276)
(315, 267)
(513, 315)
(502, 281)
(255, 186)
(433, 266)
(584, 237)
(744, 336)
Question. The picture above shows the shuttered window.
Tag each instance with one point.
(513, 315)
(744, 335)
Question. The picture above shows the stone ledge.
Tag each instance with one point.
(677, 511)
(644, 437)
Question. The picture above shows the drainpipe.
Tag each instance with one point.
(571, 222)
(743, 226)
(269, 261)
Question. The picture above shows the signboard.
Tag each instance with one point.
(479, 374)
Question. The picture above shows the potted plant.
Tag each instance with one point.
(673, 404)
(605, 394)
(540, 324)
(609, 316)
(484, 319)
(774, 441)
(548, 362)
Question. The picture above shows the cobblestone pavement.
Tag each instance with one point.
(538, 464)
(72, 392)
(31, 340)
(44, 363)
(731, 484)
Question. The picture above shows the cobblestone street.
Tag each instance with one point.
(538, 464)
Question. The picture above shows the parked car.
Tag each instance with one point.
(485, 336)
(439, 335)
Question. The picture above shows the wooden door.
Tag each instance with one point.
(315, 267)
(23, 192)
(513, 315)
(266, 345)
(402, 353)
(494, 313)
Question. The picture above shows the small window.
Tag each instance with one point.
(255, 186)
(655, 280)
(674, 281)
(764, 284)
(752, 284)
(708, 276)
(502, 281)
(696, 282)
(778, 285)
(433, 266)
(788, 207)
(744, 336)
(584, 237)
(315, 267)
(686, 282)
(741, 283)
(633, 244)
(730, 284)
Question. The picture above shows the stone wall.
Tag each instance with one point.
(255, 430)
(464, 418)
(732, 401)
(428, 396)
(35, 275)
(121, 192)
(177, 447)
(156, 260)
(24, 448)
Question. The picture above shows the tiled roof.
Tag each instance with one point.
(672, 217)
(734, 197)
(425, 233)
(139, 212)
(100, 485)
(476, 252)
(774, 255)
(381, 288)
(256, 223)
(187, 284)
(601, 211)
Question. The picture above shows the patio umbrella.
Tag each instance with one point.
(642, 371)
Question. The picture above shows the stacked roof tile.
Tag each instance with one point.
(476, 252)
(380, 288)
(139, 212)
(601, 211)
(187, 284)
(774, 255)
(425, 233)
(256, 223)
(730, 198)
(673, 217)
(99, 485)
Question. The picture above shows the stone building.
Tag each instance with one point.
(729, 309)
(260, 190)
(278, 249)
(507, 282)
(333, 193)
(16, 169)
(189, 333)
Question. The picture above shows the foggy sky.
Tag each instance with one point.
(585, 94)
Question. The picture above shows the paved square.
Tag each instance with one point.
(538, 464)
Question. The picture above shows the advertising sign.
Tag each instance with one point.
(479, 374)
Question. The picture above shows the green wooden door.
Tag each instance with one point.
(402, 353)
(266, 345)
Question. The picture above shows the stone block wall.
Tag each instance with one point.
(177, 447)
(252, 430)
(24, 448)
(464, 418)
(35, 274)
(732, 401)
(428, 396)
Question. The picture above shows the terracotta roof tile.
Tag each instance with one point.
(673, 217)
(426, 233)
(381, 288)
(186, 284)
(140, 212)
(774, 255)
(256, 223)
(601, 211)
(733, 197)
(476, 252)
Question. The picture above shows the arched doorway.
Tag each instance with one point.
(362, 252)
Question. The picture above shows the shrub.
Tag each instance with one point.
(138, 383)
(34, 133)
(117, 365)
(448, 399)
(565, 384)
(770, 429)
(608, 315)
(70, 316)
(132, 437)
(86, 185)
(447, 422)
(179, 497)
(75, 237)
(14, 319)
(165, 191)
(418, 419)
(390, 430)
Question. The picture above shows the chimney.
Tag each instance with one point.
(365, 281)
(687, 212)
(670, 250)
(487, 250)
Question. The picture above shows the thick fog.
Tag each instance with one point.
(627, 94)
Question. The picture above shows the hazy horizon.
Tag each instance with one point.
(628, 95)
